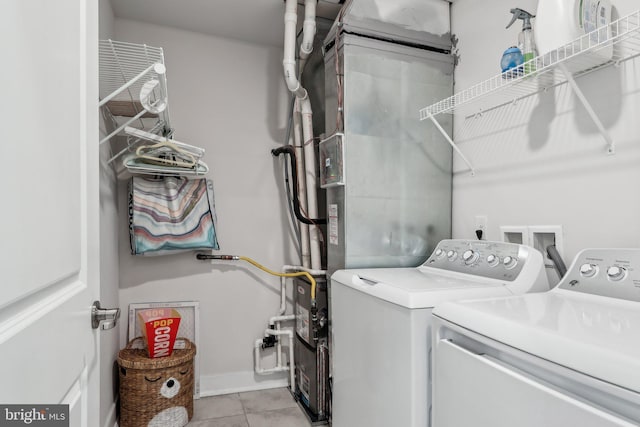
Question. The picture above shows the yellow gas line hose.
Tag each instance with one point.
(265, 269)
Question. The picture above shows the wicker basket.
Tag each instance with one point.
(157, 392)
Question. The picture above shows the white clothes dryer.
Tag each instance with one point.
(381, 325)
(567, 357)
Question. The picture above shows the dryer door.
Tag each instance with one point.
(477, 390)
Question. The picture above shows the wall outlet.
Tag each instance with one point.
(541, 236)
(481, 224)
(515, 234)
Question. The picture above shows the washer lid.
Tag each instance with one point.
(420, 287)
(595, 335)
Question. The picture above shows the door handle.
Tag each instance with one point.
(103, 318)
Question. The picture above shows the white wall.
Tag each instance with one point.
(229, 98)
(543, 162)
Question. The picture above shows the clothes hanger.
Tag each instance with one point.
(197, 152)
(135, 165)
(165, 157)
(158, 154)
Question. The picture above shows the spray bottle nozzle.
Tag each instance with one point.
(521, 14)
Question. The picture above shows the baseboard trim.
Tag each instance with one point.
(238, 382)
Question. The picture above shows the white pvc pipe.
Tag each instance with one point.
(277, 319)
(303, 104)
(278, 348)
(288, 268)
(257, 368)
(308, 27)
(291, 368)
(302, 188)
(308, 32)
(289, 59)
(283, 283)
(310, 174)
(283, 296)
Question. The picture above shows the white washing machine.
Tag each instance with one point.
(381, 325)
(567, 357)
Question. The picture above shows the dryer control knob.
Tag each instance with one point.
(588, 270)
(615, 273)
(439, 253)
(452, 255)
(492, 260)
(509, 261)
(469, 256)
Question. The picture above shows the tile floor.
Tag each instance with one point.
(264, 408)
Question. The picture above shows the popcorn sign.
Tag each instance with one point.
(160, 328)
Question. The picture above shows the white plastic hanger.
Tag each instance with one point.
(165, 157)
(166, 153)
(197, 152)
(134, 164)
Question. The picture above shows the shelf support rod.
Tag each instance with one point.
(453, 144)
(126, 85)
(117, 131)
(594, 117)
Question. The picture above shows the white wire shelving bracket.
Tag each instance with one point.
(126, 70)
(610, 45)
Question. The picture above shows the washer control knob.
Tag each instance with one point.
(470, 256)
(588, 270)
(615, 273)
(452, 255)
(492, 260)
(439, 253)
(509, 261)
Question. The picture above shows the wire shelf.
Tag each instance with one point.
(610, 45)
(126, 70)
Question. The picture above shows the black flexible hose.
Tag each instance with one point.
(554, 255)
(294, 177)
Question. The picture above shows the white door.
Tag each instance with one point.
(49, 248)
